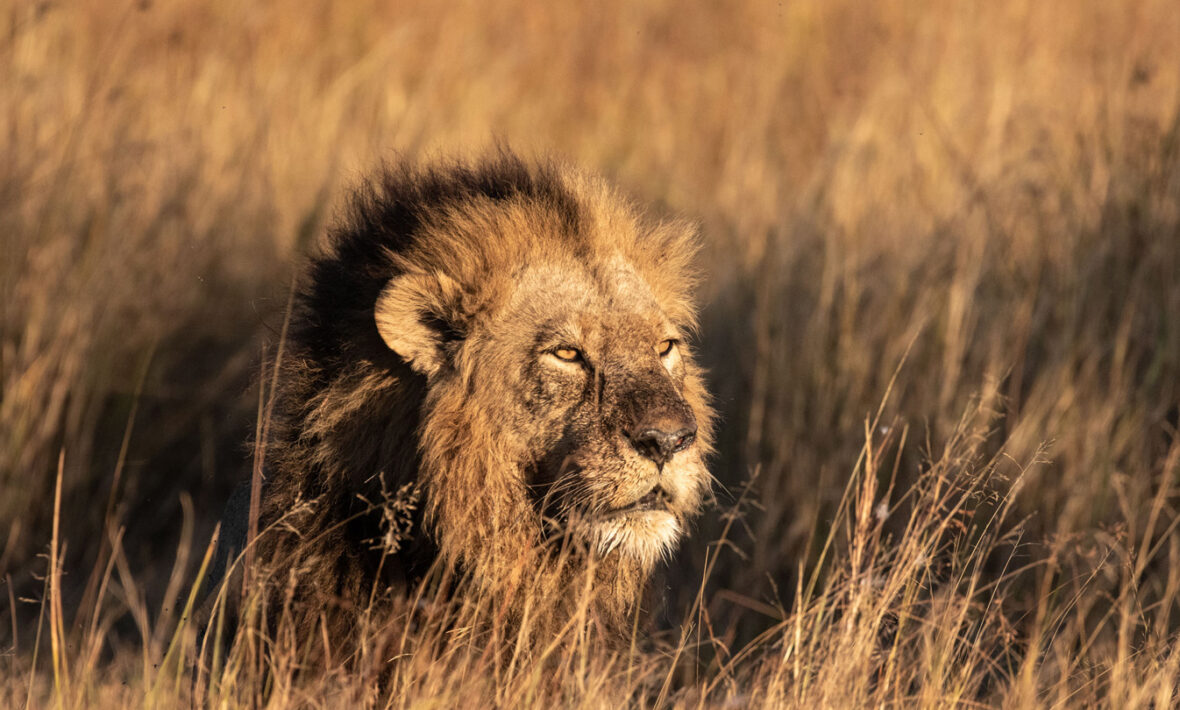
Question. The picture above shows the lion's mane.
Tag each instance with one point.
(355, 427)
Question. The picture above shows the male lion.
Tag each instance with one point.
(507, 341)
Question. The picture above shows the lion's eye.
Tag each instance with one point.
(568, 354)
(665, 347)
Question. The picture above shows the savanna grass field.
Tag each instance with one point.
(941, 318)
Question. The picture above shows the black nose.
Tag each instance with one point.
(660, 445)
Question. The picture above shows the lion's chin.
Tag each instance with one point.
(647, 536)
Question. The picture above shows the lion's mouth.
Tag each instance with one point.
(655, 499)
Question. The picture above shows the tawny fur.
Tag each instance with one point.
(424, 357)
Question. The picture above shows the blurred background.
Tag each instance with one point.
(979, 201)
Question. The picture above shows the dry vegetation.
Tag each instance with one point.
(943, 322)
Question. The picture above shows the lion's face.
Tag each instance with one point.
(592, 413)
(597, 387)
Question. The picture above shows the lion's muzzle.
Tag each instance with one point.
(663, 440)
(661, 422)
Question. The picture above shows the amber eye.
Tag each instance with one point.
(568, 354)
(665, 347)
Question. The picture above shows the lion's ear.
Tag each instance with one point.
(417, 317)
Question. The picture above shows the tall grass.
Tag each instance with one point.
(943, 324)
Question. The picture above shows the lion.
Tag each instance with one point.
(504, 344)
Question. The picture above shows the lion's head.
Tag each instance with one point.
(527, 329)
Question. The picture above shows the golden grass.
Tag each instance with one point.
(943, 242)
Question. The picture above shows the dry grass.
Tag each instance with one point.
(943, 322)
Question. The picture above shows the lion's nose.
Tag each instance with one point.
(660, 443)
